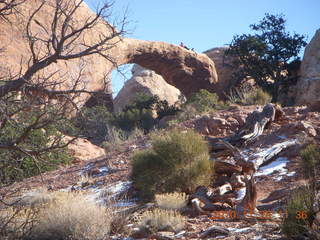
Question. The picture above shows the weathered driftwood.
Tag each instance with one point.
(204, 198)
(248, 205)
(255, 161)
(221, 167)
(254, 126)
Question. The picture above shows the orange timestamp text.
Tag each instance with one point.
(262, 215)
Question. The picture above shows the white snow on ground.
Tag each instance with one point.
(267, 151)
(239, 230)
(241, 193)
(278, 165)
(103, 170)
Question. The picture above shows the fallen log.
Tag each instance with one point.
(254, 126)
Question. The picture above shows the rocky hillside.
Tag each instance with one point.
(274, 153)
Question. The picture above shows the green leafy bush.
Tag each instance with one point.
(93, 123)
(178, 161)
(300, 213)
(143, 113)
(257, 97)
(16, 165)
(204, 101)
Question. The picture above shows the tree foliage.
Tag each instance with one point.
(268, 54)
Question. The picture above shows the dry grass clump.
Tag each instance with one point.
(171, 201)
(257, 97)
(162, 220)
(72, 216)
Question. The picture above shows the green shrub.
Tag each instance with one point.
(16, 165)
(142, 113)
(204, 101)
(257, 97)
(301, 201)
(133, 118)
(310, 160)
(178, 161)
(93, 123)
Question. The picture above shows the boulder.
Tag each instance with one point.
(83, 150)
(147, 82)
(309, 82)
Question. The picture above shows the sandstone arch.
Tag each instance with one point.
(186, 70)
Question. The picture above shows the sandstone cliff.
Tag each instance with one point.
(308, 85)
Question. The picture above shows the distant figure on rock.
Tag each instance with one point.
(184, 46)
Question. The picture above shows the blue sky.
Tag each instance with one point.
(204, 24)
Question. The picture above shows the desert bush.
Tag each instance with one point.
(72, 216)
(162, 220)
(310, 160)
(178, 161)
(92, 122)
(300, 213)
(143, 113)
(257, 97)
(248, 95)
(117, 137)
(171, 201)
(15, 164)
(204, 101)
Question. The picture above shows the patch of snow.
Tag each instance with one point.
(266, 151)
(290, 174)
(119, 187)
(239, 230)
(180, 234)
(259, 238)
(86, 168)
(103, 169)
(278, 165)
(241, 193)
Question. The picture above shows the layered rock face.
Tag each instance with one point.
(187, 70)
(148, 82)
(308, 86)
(224, 69)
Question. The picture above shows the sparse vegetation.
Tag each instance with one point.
(162, 220)
(58, 216)
(300, 213)
(171, 201)
(178, 161)
(249, 96)
(310, 160)
(28, 159)
(266, 55)
(72, 216)
(204, 101)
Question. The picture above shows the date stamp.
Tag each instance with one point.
(263, 215)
